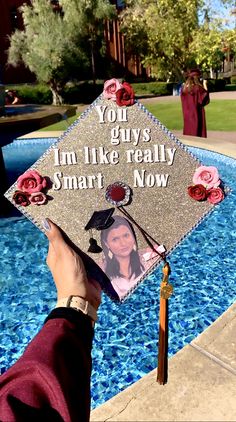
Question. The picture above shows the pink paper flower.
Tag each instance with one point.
(207, 176)
(21, 198)
(110, 88)
(38, 198)
(31, 181)
(215, 195)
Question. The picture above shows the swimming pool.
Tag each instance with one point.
(125, 344)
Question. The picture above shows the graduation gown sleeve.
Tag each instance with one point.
(51, 380)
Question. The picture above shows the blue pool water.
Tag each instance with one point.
(125, 344)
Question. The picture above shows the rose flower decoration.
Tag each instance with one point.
(207, 176)
(21, 198)
(206, 185)
(30, 186)
(118, 194)
(110, 88)
(197, 192)
(215, 195)
(38, 198)
(123, 93)
(31, 182)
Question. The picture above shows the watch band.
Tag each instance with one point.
(78, 303)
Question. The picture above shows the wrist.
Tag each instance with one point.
(79, 304)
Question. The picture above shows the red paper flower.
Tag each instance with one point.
(197, 192)
(215, 195)
(125, 95)
(118, 194)
(21, 198)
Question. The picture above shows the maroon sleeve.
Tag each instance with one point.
(51, 380)
(202, 96)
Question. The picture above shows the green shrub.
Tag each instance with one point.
(83, 93)
(233, 80)
(86, 92)
(153, 88)
(33, 94)
(215, 85)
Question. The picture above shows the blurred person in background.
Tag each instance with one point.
(194, 97)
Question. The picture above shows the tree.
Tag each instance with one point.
(209, 49)
(161, 32)
(52, 44)
(172, 36)
(89, 16)
(214, 40)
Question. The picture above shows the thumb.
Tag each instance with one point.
(54, 235)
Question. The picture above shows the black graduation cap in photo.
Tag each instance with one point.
(100, 220)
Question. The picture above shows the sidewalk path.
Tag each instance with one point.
(223, 95)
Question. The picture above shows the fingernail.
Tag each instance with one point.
(46, 225)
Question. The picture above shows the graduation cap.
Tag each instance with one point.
(100, 220)
(110, 143)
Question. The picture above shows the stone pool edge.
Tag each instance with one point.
(201, 383)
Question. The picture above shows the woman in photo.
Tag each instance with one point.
(123, 263)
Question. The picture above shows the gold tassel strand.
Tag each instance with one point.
(166, 291)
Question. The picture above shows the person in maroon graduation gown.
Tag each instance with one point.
(194, 97)
(51, 380)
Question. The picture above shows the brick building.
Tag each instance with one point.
(115, 41)
(11, 19)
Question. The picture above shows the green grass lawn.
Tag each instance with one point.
(62, 125)
(220, 115)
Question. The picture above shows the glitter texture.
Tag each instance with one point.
(167, 213)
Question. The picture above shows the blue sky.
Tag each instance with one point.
(223, 11)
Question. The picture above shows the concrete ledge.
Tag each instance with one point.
(43, 134)
(28, 118)
(219, 341)
(224, 143)
(199, 388)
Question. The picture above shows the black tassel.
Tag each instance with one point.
(94, 247)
